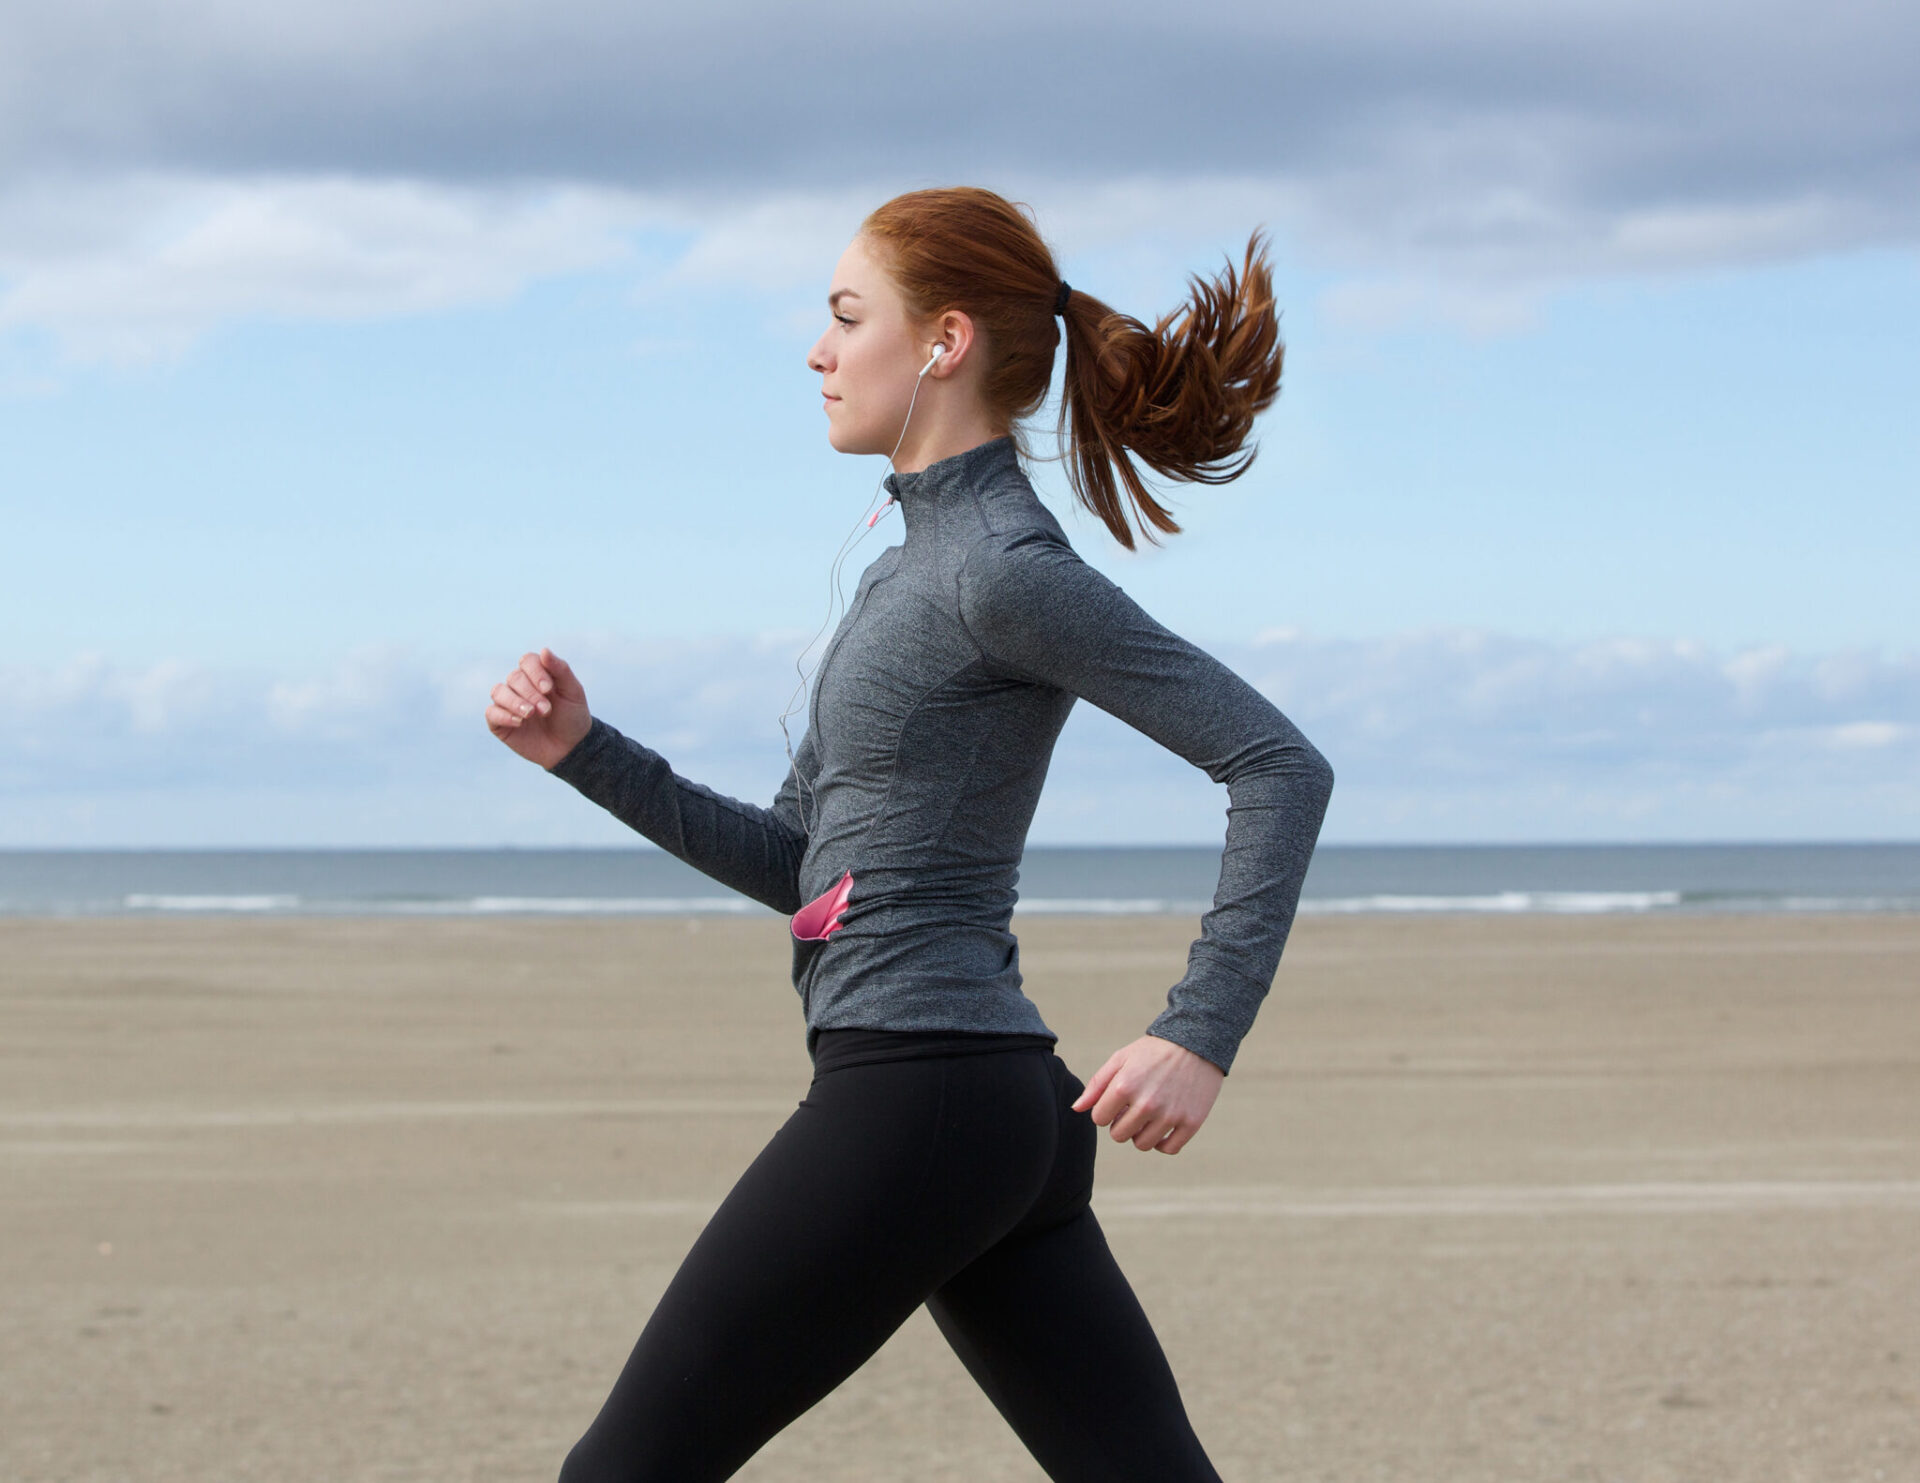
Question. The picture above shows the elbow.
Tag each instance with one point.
(1296, 766)
(1289, 754)
(1308, 764)
(1326, 786)
(1322, 770)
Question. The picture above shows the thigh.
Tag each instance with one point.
(884, 1181)
(1049, 1326)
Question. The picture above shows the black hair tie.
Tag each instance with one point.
(1060, 299)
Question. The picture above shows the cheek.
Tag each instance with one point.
(876, 372)
(856, 380)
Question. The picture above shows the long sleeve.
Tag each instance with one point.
(757, 851)
(1037, 611)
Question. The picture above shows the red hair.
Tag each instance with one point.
(1180, 397)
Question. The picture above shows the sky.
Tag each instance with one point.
(346, 356)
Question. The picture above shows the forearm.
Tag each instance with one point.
(741, 845)
(1274, 815)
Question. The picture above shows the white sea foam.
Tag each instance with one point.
(1110, 905)
(1511, 902)
(444, 906)
(140, 901)
(1704, 879)
(585, 905)
(1498, 901)
(1847, 903)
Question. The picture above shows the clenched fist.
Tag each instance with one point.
(539, 709)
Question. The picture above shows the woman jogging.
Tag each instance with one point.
(943, 1154)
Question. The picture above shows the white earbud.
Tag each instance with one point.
(938, 351)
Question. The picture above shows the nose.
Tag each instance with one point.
(815, 360)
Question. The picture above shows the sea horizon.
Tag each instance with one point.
(1087, 879)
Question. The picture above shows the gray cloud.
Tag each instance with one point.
(165, 169)
(1439, 735)
(1500, 136)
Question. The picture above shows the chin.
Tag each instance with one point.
(844, 440)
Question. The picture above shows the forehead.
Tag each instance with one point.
(858, 277)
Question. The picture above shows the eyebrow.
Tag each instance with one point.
(839, 293)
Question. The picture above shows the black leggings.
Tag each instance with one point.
(958, 1178)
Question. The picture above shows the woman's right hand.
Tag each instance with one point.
(539, 709)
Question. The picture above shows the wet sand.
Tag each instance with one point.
(1623, 1198)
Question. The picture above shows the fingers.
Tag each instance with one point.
(532, 683)
(1176, 1140)
(516, 697)
(1150, 1130)
(1121, 1100)
(1143, 1124)
(536, 674)
(565, 683)
(527, 691)
(1091, 1092)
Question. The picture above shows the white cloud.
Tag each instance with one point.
(1869, 735)
(1450, 734)
(773, 242)
(135, 268)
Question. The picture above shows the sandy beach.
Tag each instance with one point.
(1621, 1198)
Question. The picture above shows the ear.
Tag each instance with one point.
(953, 330)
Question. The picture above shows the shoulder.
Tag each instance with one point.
(1018, 565)
(1024, 590)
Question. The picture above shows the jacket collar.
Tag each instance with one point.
(932, 485)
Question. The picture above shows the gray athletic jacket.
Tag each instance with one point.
(895, 842)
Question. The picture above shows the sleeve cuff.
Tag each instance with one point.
(1210, 1016)
(578, 764)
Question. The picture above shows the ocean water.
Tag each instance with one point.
(1079, 880)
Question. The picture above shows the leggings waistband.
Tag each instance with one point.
(835, 1049)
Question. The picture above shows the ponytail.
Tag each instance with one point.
(1180, 397)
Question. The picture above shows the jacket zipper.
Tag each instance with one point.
(813, 721)
(859, 606)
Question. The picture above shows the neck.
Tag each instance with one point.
(942, 435)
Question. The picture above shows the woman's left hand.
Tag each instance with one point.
(1153, 1092)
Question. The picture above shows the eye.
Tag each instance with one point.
(843, 319)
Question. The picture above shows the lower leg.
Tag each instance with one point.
(1048, 1325)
